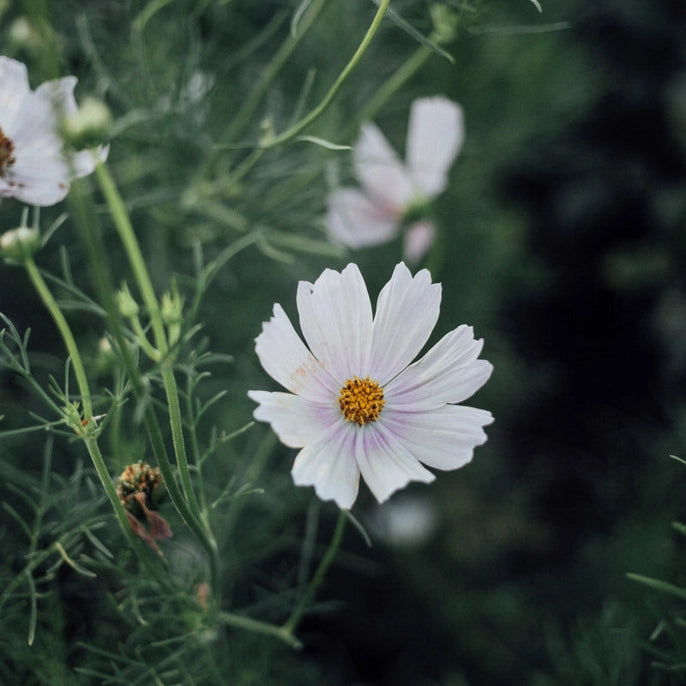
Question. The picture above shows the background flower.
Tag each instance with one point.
(390, 189)
(356, 404)
(33, 165)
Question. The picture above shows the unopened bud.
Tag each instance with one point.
(88, 127)
(20, 243)
(128, 307)
(445, 21)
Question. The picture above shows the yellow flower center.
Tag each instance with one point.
(361, 400)
(6, 153)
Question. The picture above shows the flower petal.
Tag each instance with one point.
(329, 465)
(385, 464)
(406, 313)
(382, 175)
(14, 87)
(83, 163)
(448, 373)
(419, 237)
(295, 421)
(354, 220)
(336, 320)
(443, 438)
(59, 94)
(285, 358)
(435, 136)
(38, 182)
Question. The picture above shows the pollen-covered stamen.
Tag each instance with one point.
(7, 158)
(361, 400)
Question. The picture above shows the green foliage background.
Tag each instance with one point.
(561, 242)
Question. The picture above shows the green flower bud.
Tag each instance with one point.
(445, 21)
(88, 127)
(20, 243)
(128, 307)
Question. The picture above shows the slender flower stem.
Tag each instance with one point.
(121, 220)
(391, 85)
(311, 590)
(128, 237)
(80, 373)
(258, 91)
(256, 626)
(176, 423)
(51, 304)
(187, 507)
(319, 109)
(107, 483)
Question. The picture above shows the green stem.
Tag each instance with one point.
(311, 590)
(120, 216)
(108, 485)
(391, 85)
(105, 288)
(258, 91)
(51, 304)
(79, 371)
(175, 421)
(319, 109)
(256, 626)
(140, 271)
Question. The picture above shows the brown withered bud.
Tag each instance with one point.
(139, 487)
(140, 477)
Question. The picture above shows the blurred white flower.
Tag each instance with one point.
(406, 522)
(390, 189)
(34, 167)
(356, 403)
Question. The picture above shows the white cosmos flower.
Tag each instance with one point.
(375, 214)
(357, 405)
(33, 165)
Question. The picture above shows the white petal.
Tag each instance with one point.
(83, 163)
(285, 358)
(295, 421)
(59, 94)
(385, 464)
(14, 87)
(448, 373)
(443, 438)
(329, 465)
(382, 175)
(419, 237)
(435, 136)
(44, 182)
(336, 320)
(354, 220)
(406, 313)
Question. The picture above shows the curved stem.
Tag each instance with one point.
(258, 91)
(311, 590)
(187, 507)
(391, 85)
(319, 109)
(51, 304)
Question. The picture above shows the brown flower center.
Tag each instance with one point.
(7, 158)
(361, 400)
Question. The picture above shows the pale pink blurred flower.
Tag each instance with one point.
(390, 188)
(357, 405)
(34, 167)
